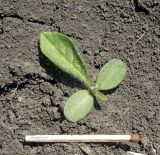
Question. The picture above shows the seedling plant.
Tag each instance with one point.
(61, 51)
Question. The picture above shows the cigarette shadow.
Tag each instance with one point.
(113, 145)
(57, 74)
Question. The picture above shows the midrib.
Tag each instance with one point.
(66, 58)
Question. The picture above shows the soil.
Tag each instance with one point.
(33, 91)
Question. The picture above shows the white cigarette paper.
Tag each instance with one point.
(82, 138)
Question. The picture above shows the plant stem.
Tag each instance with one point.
(88, 83)
(100, 96)
(91, 86)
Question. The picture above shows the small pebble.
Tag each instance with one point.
(87, 150)
(145, 142)
(46, 101)
(20, 99)
(145, 27)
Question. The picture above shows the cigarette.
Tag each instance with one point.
(82, 138)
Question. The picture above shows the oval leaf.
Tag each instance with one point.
(111, 74)
(78, 106)
(60, 50)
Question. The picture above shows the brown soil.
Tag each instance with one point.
(33, 91)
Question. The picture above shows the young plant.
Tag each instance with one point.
(60, 50)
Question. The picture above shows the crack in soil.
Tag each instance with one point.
(140, 8)
(29, 20)
(9, 87)
(2, 16)
(1, 29)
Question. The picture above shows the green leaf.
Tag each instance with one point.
(78, 106)
(60, 50)
(111, 74)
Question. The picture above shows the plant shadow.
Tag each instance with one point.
(57, 74)
(110, 91)
(97, 104)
